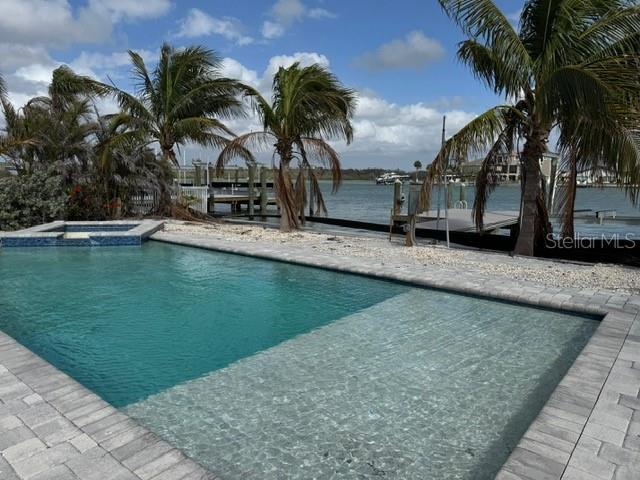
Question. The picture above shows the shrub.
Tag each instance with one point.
(27, 200)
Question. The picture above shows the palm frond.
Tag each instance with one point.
(315, 193)
(316, 149)
(485, 23)
(473, 139)
(301, 192)
(142, 81)
(486, 179)
(489, 66)
(243, 147)
(3, 89)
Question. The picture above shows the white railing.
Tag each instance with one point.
(199, 194)
(142, 204)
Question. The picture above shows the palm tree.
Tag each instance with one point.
(572, 66)
(417, 165)
(309, 106)
(181, 101)
(54, 130)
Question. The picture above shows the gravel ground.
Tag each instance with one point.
(546, 272)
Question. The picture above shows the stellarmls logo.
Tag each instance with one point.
(615, 240)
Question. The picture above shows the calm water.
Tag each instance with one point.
(262, 370)
(368, 202)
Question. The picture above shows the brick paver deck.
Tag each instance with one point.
(51, 427)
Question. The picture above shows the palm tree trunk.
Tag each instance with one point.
(569, 208)
(165, 202)
(534, 221)
(286, 195)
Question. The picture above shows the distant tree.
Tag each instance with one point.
(309, 106)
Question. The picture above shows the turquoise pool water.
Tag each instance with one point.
(128, 322)
(259, 369)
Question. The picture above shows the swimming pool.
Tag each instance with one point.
(255, 367)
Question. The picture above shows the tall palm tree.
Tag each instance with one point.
(182, 100)
(309, 106)
(571, 66)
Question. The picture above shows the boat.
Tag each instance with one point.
(390, 178)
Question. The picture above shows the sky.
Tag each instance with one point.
(399, 55)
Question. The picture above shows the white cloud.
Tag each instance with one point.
(197, 24)
(133, 9)
(233, 69)
(319, 13)
(285, 13)
(51, 22)
(288, 11)
(395, 130)
(13, 56)
(102, 61)
(414, 51)
(56, 23)
(272, 30)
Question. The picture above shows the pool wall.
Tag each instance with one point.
(98, 234)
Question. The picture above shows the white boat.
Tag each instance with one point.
(390, 178)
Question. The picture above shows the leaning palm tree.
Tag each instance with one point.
(571, 66)
(309, 106)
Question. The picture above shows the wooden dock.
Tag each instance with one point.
(461, 220)
(238, 200)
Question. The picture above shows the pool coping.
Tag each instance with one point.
(589, 427)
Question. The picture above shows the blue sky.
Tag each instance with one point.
(399, 55)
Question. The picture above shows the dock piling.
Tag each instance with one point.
(397, 197)
(263, 191)
(250, 184)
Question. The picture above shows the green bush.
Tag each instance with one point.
(27, 200)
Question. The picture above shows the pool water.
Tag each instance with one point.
(130, 322)
(260, 369)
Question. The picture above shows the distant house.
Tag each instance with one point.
(598, 176)
(508, 169)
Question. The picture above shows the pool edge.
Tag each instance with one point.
(589, 419)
